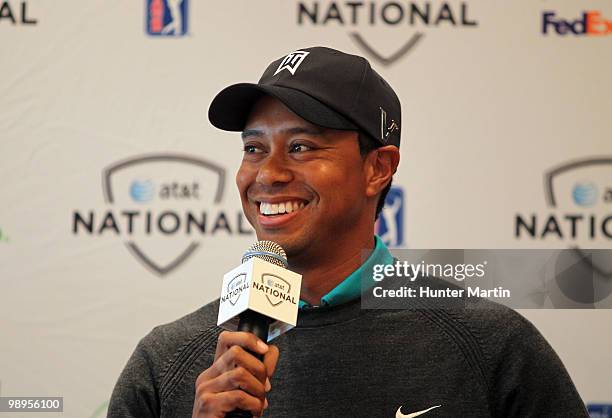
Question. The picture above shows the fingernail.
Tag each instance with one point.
(262, 346)
(265, 403)
(268, 385)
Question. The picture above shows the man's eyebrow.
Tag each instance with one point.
(248, 133)
(296, 130)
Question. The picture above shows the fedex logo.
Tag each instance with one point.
(591, 23)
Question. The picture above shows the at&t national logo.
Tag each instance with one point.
(589, 23)
(390, 223)
(167, 17)
(235, 288)
(365, 17)
(16, 13)
(162, 207)
(143, 191)
(579, 215)
(579, 196)
(276, 289)
(585, 194)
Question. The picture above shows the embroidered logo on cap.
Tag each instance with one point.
(385, 130)
(292, 61)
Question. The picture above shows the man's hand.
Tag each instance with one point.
(236, 379)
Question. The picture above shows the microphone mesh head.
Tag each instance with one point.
(268, 251)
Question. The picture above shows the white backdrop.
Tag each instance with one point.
(489, 106)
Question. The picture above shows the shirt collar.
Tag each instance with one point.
(350, 287)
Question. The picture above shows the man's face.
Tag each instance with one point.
(301, 185)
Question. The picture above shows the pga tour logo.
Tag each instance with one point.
(600, 410)
(390, 223)
(292, 61)
(167, 17)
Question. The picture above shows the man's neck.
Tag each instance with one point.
(321, 277)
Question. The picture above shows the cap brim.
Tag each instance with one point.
(230, 109)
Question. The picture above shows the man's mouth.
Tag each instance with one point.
(280, 208)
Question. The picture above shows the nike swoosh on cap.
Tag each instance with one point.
(399, 414)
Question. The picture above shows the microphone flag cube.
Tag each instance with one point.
(262, 287)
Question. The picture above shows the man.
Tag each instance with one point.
(321, 135)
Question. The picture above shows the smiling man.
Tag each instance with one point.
(321, 136)
(307, 187)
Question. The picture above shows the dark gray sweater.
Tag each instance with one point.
(343, 361)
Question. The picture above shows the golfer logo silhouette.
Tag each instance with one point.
(175, 26)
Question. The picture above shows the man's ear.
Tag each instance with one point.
(381, 164)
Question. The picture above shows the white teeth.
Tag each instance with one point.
(280, 208)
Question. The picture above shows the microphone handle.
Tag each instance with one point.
(258, 324)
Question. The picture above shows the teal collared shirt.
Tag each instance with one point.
(350, 288)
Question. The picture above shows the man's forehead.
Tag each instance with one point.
(270, 114)
(269, 107)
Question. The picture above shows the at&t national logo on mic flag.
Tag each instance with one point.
(263, 287)
(167, 17)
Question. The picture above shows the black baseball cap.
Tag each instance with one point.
(323, 86)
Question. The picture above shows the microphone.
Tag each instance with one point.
(260, 296)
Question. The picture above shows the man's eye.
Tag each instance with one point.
(251, 149)
(299, 148)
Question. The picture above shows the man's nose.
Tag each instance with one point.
(274, 169)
